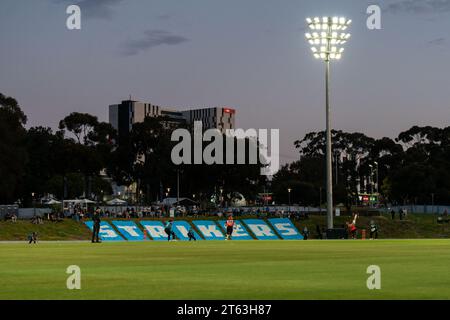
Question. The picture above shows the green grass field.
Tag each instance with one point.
(411, 269)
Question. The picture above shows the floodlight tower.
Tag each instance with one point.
(327, 38)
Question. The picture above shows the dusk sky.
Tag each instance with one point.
(246, 54)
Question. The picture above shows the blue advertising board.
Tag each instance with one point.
(107, 233)
(129, 230)
(209, 229)
(155, 230)
(260, 229)
(285, 228)
(181, 229)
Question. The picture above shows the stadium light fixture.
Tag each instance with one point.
(327, 37)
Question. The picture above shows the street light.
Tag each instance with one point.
(327, 38)
(377, 185)
(289, 195)
(34, 203)
(178, 184)
(432, 203)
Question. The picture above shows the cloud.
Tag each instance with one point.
(419, 6)
(151, 39)
(96, 9)
(437, 42)
(164, 17)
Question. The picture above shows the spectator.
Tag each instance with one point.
(393, 214)
(13, 218)
(36, 220)
(305, 233)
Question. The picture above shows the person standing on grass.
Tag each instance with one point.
(191, 235)
(373, 230)
(319, 232)
(229, 224)
(351, 226)
(168, 229)
(32, 238)
(353, 230)
(305, 233)
(96, 227)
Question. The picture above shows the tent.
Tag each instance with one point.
(83, 202)
(116, 202)
(172, 202)
(86, 201)
(52, 202)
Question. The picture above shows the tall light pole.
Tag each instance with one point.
(327, 40)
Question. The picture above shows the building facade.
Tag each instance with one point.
(212, 118)
(122, 116)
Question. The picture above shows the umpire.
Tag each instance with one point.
(96, 227)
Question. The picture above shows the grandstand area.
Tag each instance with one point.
(411, 269)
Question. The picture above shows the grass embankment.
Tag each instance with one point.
(415, 226)
(63, 230)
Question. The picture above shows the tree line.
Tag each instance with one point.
(74, 160)
(413, 168)
(68, 162)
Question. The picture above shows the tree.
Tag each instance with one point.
(92, 148)
(81, 125)
(40, 165)
(13, 155)
(151, 150)
(351, 159)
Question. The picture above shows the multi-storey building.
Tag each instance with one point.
(212, 118)
(122, 116)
